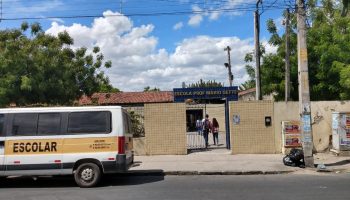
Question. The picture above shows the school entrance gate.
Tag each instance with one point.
(195, 111)
(195, 138)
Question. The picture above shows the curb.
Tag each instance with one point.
(199, 173)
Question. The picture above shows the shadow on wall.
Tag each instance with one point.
(139, 146)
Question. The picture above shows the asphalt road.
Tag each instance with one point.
(269, 187)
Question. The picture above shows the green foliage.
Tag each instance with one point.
(203, 84)
(36, 28)
(24, 26)
(149, 89)
(43, 69)
(137, 124)
(247, 85)
(105, 87)
(328, 41)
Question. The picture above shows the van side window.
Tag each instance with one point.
(2, 121)
(24, 124)
(49, 124)
(89, 122)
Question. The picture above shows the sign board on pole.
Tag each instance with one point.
(291, 134)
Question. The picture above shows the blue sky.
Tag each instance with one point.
(157, 43)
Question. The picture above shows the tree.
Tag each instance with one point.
(149, 89)
(345, 10)
(38, 68)
(250, 83)
(202, 83)
(105, 87)
(328, 55)
(137, 124)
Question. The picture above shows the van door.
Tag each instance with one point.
(2, 144)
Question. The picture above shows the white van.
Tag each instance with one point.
(84, 141)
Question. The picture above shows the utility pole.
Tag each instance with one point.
(304, 90)
(257, 51)
(228, 65)
(227, 110)
(287, 73)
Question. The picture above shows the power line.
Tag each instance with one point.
(269, 6)
(144, 14)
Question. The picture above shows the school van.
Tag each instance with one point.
(84, 141)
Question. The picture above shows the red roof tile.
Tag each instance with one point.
(128, 98)
(241, 93)
(135, 97)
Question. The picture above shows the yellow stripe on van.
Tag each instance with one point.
(83, 145)
(64, 145)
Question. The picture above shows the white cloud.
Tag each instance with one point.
(234, 7)
(214, 16)
(57, 20)
(137, 62)
(178, 26)
(279, 22)
(268, 47)
(196, 19)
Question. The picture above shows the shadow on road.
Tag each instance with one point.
(135, 178)
(343, 162)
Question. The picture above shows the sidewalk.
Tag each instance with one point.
(222, 162)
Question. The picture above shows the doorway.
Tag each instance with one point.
(191, 118)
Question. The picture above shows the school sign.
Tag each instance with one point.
(229, 93)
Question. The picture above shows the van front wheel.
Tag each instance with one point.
(87, 175)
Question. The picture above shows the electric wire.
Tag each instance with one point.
(221, 8)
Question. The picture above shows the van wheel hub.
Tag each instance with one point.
(87, 174)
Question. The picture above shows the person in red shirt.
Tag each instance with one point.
(215, 131)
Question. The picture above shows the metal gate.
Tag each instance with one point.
(195, 141)
(195, 112)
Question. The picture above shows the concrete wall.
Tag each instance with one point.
(139, 145)
(251, 135)
(163, 136)
(165, 129)
(283, 112)
(321, 113)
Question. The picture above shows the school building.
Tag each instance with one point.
(255, 127)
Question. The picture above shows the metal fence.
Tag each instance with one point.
(195, 141)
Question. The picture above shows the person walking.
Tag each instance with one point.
(215, 131)
(199, 126)
(206, 129)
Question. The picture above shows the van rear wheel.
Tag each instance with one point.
(87, 175)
